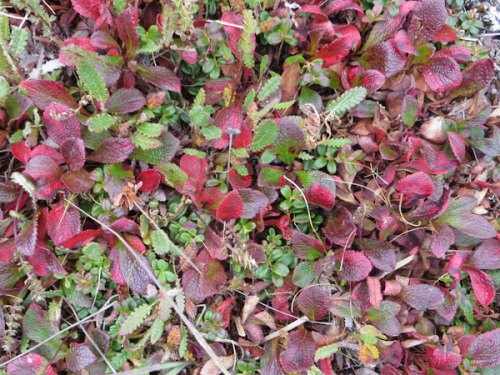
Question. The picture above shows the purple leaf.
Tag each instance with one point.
(253, 201)
(313, 302)
(386, 59)
(64, 222)
(126, 101)
(472, 225)
(306, 247)
(126, 24)
(482, 284)
(486, 256)
(212, 277)
(381, 253)
(475, 78)
(26, 238)
(73, 151)
(60, 123)
(442, 74)
(132, 272)
(47, 174)
(485, 350)
(112, 150)
(191, 285)
(432, 15)
(340, 228)
(422, 296)
(44, 92)
(79, 357)
(299, 353)
(442, 239)
(30, 364)
(77, 181)
(160, 76)
(355, 266)
(415, 186)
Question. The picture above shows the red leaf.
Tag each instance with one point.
(455, 264)
(77, 181)
(442, 360)
(442, 239)
(340, 228)
(321, 196)
(442, 74)
(68, 58)
(234, 35)
(81, 239)
(212, 277)
(73, 151)
(48, 151)
(381, 253)
(230, 117)
(482, 284)
(214, 244)
(299, 353)
(45, 171)
(126, 24)
(485, 350)
(448, 309)
(487, 255)
(45, 262)
(28, 364)
(422, 296)
(414, 187)
(21, 151)
(340, 5)
(231, 207)
(457, 145)
(63, 223)
(196, 170)
(476, 77)
(371, 80)
(355, 266)
(79, 357)
(445, 35)
(313, 302)
(386, 59)
(126, 101)
(432, 17)
(253, 201)
(112, 150)
(44, 92)
(160, 76)
(306, 247)
(102, 40)
(150, 180)
(256, 252)
(60, 129)
(237, 181)
(459, 53)
(242, 140)
(334, 52)
(404, 44)
(191, 285)
(26, 238)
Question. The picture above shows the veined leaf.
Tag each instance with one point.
(346, 101)
(135, 319)
(337, 142)
(150, 129)
(18, 40)
(101, 122)
(266, 134)
(92, 80)
(211, 132)
(269, 88)
(326, 351)
(145, 142)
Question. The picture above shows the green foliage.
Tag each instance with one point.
(4, 87)
(242, 170)
(92, 81)
(246, 44)
(337, 142)
(135, 319)
(160, 243)
(18, 40)
(157, 330)
(266, 133)
(269, 88)
(211, 132)
(194, 152)
(145, 142)
(326, 351)
(249, 99)
(101, 122)
(346, 101)
(150, 129)
(150, 40)
(119, 5)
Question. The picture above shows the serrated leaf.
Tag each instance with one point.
(193, 152)
(92, 81)
(145, 142)
(150, 129)
(313, 302)
(248, 99)
(269, 88)
(101, 122)
(422, 296)
(346, 101)
(160, 244)
(79, 357)
(164, 153)
(157, 330)
(485, 350)
(112, 150)
(355, 266)
(18, 40)
(337, 142)
(242, 170)
(211, 132)
(283, 105)
(299, 354)
(135, 319)
(4, 87)
(326, 352)
(31, 363)
(266, 133)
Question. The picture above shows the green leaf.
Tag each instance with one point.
(150, 129)
(211, 132)
(266, 133)
(157, 330)
(269, 88)
(135, 319)
(200, 115)
(174, 176)
(4, 87)
(337, 142)
(164, 153)
(93, 251)
(346, 101)
(305, 156)
(199, 100)
(193, 152)
(145, 142)
(242, 170)
(18, 40)
(249, 99)
(92, 80)
(326, 352)
(119, 5)
(308, 96)
(160, 244)
(183, 343)
(101, 122)
(409, 110)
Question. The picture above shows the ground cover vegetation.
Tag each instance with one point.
(248, 186)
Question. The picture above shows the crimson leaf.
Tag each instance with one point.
(415, 186)
(30, 364)
(475, 78)
(355, 266)
(253, 201)
(126, 101)
(73, 151)
(60, 123)
(482, 285)
(44, 92)
(231, 207)
(212, 277)
(160, 76)
(485, 350)
(63, 223)
(126, 23)
(112, 150)
(442, 74)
